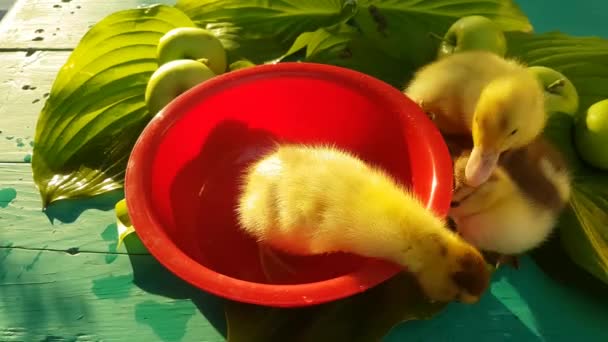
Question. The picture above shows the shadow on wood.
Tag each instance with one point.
(35, 302)
(68, 210)
(554, 261)
(364, 317)
(522, 305)
(556, 311)
(7, 195)
(150, 276)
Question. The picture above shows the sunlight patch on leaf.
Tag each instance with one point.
(96, 107)
(264, 30)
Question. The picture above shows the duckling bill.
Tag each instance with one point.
(310, 200)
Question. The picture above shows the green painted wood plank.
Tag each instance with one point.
(57, 24)
(98, 296)
(521, 305)
(25, 82)
(55, 296)
(25, 225)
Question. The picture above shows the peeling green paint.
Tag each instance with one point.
(7, 195)
(110, 234)
(168, 321)
(113, 287)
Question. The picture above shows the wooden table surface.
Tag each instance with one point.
(66, 281)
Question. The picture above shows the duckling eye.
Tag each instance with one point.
(513, 132)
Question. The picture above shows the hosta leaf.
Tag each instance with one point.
(364, 317)
(559, 130)
(96, 107)
(586, 239)
(583, 227)
(262, 30)
(584, 60)
(402, 28)
(391, 39)
(345, 46)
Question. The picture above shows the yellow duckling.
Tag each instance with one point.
(310, 200)
(518, 207)
(496, 100)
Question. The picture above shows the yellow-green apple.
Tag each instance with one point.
(473, 32)
(172, 79)
(560, 93)
(591, 135)
(192, 43)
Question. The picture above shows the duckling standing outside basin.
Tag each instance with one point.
(496, 100)
(518, 207)
(314, 200)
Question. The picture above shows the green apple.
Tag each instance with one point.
(172, 79)
(591, 135)
(560, 93)
(473, 33)
(192, 43)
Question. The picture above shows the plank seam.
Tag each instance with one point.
(6, 162)
(70, 251)
(30, 51)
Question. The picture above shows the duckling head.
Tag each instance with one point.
(461, 274)
(509, 114)
(447, 267)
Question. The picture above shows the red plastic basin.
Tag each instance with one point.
(181, 180)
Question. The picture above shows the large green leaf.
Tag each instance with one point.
(96, 108)
(583, 227)
(586, 240)
(390, 39)
(342, 45)
(402, 28)
(584, 60)
(262, 30)
(364, 317)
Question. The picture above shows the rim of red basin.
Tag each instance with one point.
(371, 273)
